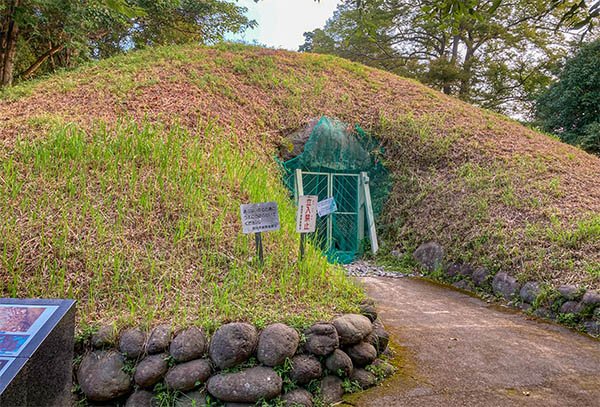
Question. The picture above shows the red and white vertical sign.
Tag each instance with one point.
(306, 217)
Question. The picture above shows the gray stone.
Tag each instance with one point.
(592, 327)
(141, 398)
(379, 337)
(233, 344)
(321, 339)
(364, 378)
(151, 370)
(453, 270)
(352, 328)
(571, 307)
(384, 367)
(529, 292)
(429, 255)
(131, 343)
(462, 285)
(188, 345)
(297, 398)
(570, 292)
(304, 369)
(505, 285)
(339, 363)
(159, 339)
(194, 398)
(481, 276)
(525, 306)
(246, 386)
(104, 338)
(276, 343)
(362, 354)
(331, 389)
(591, 298)
(369, 311)
(186, 376)
(544, 312)
(101, 376)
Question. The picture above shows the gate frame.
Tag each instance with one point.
(364, 201)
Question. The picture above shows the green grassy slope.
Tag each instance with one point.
(120, 184)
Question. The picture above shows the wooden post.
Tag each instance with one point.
(259, 247)
(302, 244)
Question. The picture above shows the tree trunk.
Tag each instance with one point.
(8, 45)
(36, 65)
(465, 82)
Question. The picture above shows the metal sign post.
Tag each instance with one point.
(306, 218)
(258, 218)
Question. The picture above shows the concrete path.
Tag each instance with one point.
(456, 350)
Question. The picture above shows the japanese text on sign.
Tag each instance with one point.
(326, 206)
(261, 217)
(306, 217)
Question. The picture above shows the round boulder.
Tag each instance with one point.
(101, 376)
(150, 370)
(339, 363)
(304, 369)
(321, 339)
(188, 345)
(131, 343)
(529, 292)
(331, 390)
(276, 343)
(505, 285)
(429, 255)
(591, 298)
(246, 386)
(480, 276)
(141, 398)
(570, 292)
(186, 376)
(362, 354)
(232, 344)
(352, 328)
(379, 338)
(159, 339)
(368, 310)
(297, 398)
(364, 378)
(571, 307)
(104, 337)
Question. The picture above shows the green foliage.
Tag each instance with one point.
(57, 34)
(571, 106)
(493, 53)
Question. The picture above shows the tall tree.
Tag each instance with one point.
(570, 107)
(65, 32)
(496, 53)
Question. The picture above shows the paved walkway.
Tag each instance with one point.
(456, 350)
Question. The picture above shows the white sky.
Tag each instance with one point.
(281, 23)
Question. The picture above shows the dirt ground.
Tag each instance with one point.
(456, 350)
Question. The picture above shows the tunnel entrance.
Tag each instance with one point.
(330, 159)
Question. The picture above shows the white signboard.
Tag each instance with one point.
(306, 217)
(326, 206)
(260, 217)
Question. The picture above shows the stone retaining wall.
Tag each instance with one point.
(239, 365)
(571, 305)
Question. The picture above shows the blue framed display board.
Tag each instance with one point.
(35, 335)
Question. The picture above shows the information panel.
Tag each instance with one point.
(260, 217)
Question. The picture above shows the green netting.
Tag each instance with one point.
(334, 154)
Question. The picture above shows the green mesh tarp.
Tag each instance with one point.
(333, 154)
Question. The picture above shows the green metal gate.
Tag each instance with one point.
(340, 233)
